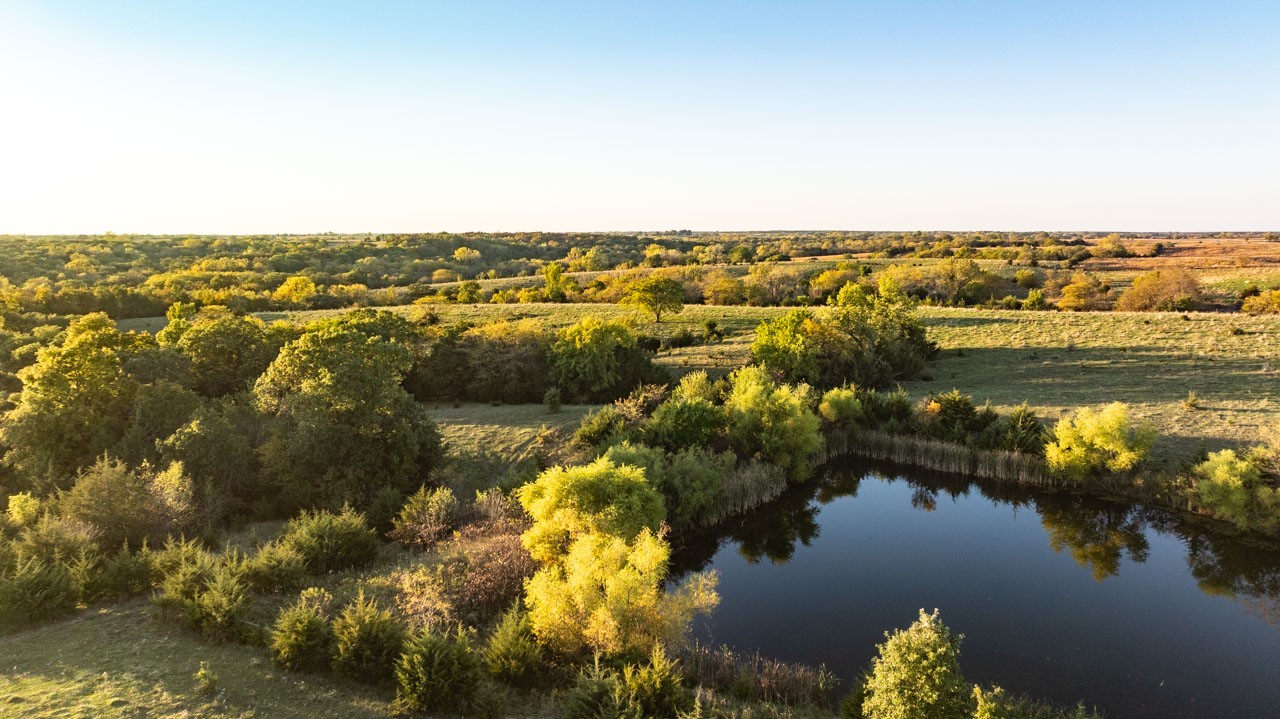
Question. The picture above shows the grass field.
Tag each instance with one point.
(121, 662)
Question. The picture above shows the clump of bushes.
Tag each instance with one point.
(1093, 442)
(865, 339)
(652, 689)
(367, 641)
(275, 567)
(302, 638)
(486, 577)
(513, 654)
(428, 516)
(1263, 303)
(438, 673)
(329, 542)
(1233, 487)
(34, 590)
(599, 359)
(1170, 290)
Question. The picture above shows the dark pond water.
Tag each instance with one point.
(1060, 596)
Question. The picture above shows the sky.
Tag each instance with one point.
(379, 116)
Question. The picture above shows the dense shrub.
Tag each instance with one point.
(35, 590)
(606, 595)
(869, 341)
(219, 609)
(1264, 303)
(1169, 290)
(682, 421)
(651, 690)
(842, 407)
(367, 642)
(1023, 431)
(952, 417)
(772, 421)
(275, 567)
(1232, 488)
(24, 509)
(891, 412)
(916, 673)
(54, 539)
(1085, 293)
(600, 426)
(1093, 442)
(427, 517)
(485, 577)
(597, 360)
(690, 480)
(329, 542)
(115, 576)
(512, 654)
(302, 638)
(437, 673)
(130, 507)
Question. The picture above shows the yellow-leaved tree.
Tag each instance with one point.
(597, 531)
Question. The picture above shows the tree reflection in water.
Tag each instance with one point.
(1098, 534)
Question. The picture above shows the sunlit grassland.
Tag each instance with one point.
(1059, 361)
(124, 662)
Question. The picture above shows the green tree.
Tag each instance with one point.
(771, 420)
(916, 674)
(73, 406)
(227, 353)
(343, 426)
(554, 290)
(598, 359)
(656, 295)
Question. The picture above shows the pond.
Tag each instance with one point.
(1062, 597)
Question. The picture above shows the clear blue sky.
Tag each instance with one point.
(173, 116)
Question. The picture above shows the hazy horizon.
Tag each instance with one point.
(247, 118)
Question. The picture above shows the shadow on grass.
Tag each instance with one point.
(1087, 376)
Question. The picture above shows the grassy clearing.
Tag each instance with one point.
(123, 662)
(1060, 361)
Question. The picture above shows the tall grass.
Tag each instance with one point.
(752, 677)
(748, 486)
(949, 457)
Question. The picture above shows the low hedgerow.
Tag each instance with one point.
(330, 542)
(302, 638)
(367, 641)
